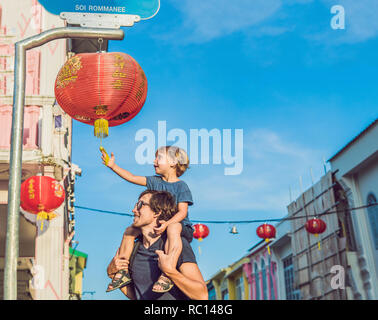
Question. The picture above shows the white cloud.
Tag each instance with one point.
(361, 23)
(211, 19)
(361, 20)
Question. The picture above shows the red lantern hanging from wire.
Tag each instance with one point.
(267, 232)
(316, 226)
(101, 89)
(41, 195)
(201, 231)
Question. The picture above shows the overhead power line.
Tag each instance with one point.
(239, 221)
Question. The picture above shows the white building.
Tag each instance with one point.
(356, 169)
(282, 254)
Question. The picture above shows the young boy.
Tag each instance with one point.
(170, 163)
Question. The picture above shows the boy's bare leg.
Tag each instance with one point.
(124, 252)
(173, 246)
(127, 243)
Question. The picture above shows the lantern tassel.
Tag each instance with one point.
(101, 128)
(51, 215)
(267, 240)
(316, 235)
(199, 248)
(42, 215)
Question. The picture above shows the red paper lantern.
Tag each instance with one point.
(201, 231)
(41, 195)
(316, 226)
(101, 89)
(267, 232)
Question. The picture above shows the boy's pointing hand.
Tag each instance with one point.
(109, 162)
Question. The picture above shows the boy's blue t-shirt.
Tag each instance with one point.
(178, 189)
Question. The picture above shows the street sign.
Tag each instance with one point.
(103, 13)
(146, 9)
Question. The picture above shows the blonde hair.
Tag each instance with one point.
(178, 155)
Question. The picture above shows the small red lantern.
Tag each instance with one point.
(267, 232)
(201, 231)
(316, 226)
(101, 89)
(41, 195)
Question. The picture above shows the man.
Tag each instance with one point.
(150, 260)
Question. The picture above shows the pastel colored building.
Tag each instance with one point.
(229, 283)
(44, 256)
(356, 169)
(339, 264)
(78, 262)
(258, 275)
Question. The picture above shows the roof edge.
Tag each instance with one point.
(362, 133)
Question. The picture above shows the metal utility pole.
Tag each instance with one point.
(12, 235)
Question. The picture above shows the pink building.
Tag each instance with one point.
(259, 275)
(43, 271)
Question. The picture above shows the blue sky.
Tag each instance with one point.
(276, 69)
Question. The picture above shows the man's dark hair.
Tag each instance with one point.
(161, 202)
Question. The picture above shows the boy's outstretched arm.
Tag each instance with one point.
(127, 175)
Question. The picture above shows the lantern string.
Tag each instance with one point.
(98, 81)
(100, 41)
(239, 221)
(98, 77)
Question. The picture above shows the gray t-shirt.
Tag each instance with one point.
(178, 189)
(145, 271)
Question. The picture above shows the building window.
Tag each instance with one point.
(212, 294)
(239, 288)
(264, 283)
(211, 291)
(291, 294)
(271, 275)
(224, 294)
(58, 122)
(373, 218)
(257, 281)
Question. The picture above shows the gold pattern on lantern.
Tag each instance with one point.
(31, 190)
(117, 84)
(140, 91)
(69, 72)
(118, 75)
(119, 61)
(58, 190)
(101, 110)
(82, 118)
